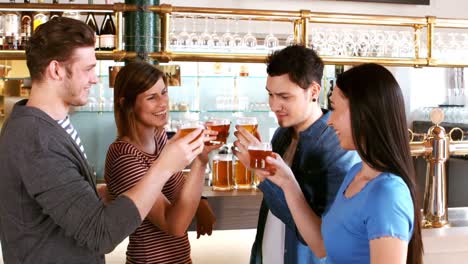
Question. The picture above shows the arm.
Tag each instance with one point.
(388, 250)
(306, 220)
(177, 153)
(389, 220)
(174, 218)
(53, 177)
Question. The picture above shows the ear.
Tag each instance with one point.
(314, 91)
(55, 71)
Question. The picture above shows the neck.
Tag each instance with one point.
(367, 172)
(314, 114)
(44, 98)
(144, 138)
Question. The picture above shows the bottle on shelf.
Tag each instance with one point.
(26, 26)
(71, 13)
(55, 13)
(91, 22)
(11, 29)
(40, 17)
(107, 32)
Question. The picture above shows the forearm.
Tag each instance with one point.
(308, 223)
(145, 192)
(181, 213)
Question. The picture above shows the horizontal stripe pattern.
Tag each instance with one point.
(125, 166)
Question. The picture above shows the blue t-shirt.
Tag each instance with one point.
(383, 208)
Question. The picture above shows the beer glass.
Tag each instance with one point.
(248, 123)
(221, 126)
(222, 172)
(242, 176)
(187, 126)
(258, 154)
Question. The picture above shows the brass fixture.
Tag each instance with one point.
(436, 147)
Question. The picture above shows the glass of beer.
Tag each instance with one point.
(242, 176)
(222, 172)
(258, 154)
(249, 123)
(187, 126)
(220, 125)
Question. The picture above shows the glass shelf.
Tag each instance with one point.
(224, 76)
(190, 111)
(221, 111)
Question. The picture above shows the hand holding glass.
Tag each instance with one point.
(258, 154)
(221, 126)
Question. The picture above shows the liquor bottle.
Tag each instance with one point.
(91, 22)
(72, 13)
(26, 27)
(39, 17)
(107, 32)
(55, 13)
(11, 28)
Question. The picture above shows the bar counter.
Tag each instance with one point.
(237, 209)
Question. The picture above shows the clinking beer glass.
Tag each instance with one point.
(187, 126)
(221, 126)
(258, 154)
(243, 177)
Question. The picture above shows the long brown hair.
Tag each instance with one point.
(380, 131)
(132, 80)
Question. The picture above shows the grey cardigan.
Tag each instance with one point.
(49, 208)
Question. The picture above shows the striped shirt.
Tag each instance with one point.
(67, 125)
(125, 166)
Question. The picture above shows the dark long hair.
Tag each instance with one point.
(132, 80)
(380, 132)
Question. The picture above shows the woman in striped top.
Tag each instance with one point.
(141, 110)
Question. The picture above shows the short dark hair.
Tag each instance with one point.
(132, 80)
(56, 39)
(302, 65)
(380, 131)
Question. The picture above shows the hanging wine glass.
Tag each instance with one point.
(217, 42)
(271, 42)
(290, 39)
(194, 39)
(238, 41)
(249, 40)
(228, 39)
(183, 38)
(205, 38)
(172, 35)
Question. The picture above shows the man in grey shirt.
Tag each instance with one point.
(50, 209)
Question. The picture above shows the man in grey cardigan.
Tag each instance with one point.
(50, 209)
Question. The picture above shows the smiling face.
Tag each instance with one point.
(340, 119)
(78, 77)
(291, 104)
(151, 106)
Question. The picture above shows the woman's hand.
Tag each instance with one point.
(205, 219)
(208, 135)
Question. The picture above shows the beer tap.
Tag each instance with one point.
(436, 147)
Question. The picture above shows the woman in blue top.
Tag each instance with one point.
(374, 218)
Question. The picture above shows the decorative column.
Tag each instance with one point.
(142, 29)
